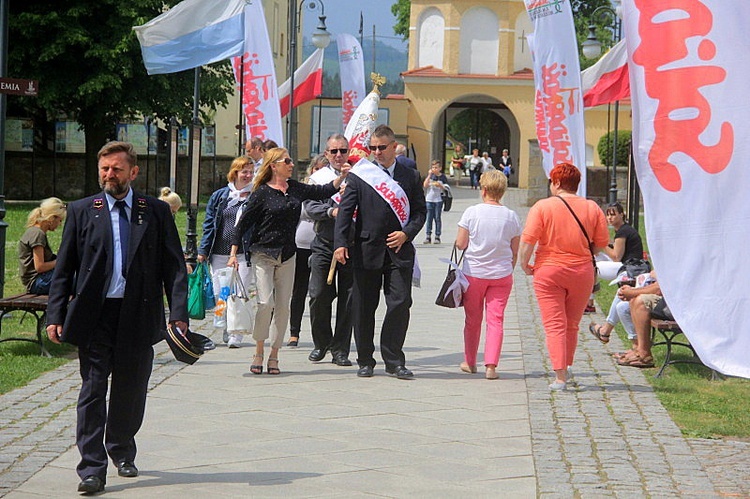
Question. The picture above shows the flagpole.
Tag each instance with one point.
(191, 247)
(321, 39)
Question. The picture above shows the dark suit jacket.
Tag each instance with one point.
(84, 265)
(406, 161)
(375, 220)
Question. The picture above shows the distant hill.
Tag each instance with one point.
(389, 62)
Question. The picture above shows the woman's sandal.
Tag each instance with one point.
(273, 370)
(465, 367)
(596, 330)
(637, 361)
(257, 368)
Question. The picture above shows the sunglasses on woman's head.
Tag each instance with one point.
(380, 148)
(286, 161)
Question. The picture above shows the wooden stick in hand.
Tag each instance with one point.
(331, 272)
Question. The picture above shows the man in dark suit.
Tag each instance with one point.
(322, 294)
(382, 255)
(402, 158)
(120, 252)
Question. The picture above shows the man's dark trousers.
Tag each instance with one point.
(127, 402)
(396, 284)
(322, 296)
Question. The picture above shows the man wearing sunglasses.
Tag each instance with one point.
(382, 255)
(338, 340)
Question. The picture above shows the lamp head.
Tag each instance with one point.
(592, 47)
(321, 38)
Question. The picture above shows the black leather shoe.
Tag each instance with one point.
(366, 372)
(91, 485)
(341, 360)
(208, 344)
(127, 469)
(318, 354)
(401, 372)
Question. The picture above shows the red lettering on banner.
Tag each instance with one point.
(396, 203)
(551, 105)
(541, 130)
(347, 105)
(255, 91)
(677, 89)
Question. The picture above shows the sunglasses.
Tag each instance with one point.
(336, 151)
(286, 161)
(380, 148)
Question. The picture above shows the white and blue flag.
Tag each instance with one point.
(191, 34)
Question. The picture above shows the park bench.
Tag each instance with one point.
(28, 303)
(670, 332)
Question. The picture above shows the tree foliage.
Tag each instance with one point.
(90, 69)
(402, 10)
(606, 143)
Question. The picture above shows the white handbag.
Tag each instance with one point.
(240, 308)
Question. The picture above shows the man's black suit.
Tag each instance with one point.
(115, 335)
(376, 265)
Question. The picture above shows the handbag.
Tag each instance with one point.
(196, 294)
(451, 294)
(591, 245)
(447, 197)
(240, 308)
(208, 287)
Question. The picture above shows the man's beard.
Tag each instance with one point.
(114, 188)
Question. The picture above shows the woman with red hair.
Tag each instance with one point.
(565, 229)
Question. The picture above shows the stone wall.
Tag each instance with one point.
(38, 176)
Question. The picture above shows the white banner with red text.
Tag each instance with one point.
(557, 80)
(352, 73)
(256, 77)
(689, 63)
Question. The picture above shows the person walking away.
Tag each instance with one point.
(435, 183)
(563, 269)
(382, 253)
(490, 233)
(120, 254)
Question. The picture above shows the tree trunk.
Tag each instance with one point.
(96, 137)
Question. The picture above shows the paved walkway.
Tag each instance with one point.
(213, 430)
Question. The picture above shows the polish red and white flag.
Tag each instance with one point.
(608, 80)
(360, 126)
(308, 82)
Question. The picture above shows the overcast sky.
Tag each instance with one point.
(342, 16)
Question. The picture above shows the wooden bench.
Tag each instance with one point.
(35, 305)
(669, 331)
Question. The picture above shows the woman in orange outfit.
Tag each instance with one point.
(563, 270)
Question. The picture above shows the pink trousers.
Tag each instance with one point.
(491, 294)
(562, 293)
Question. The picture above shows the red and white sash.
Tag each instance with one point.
(386, 187)
(326, 176)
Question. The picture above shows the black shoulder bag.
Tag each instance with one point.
(589, 241)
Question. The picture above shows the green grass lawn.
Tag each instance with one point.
(20, 361)
(700, 406)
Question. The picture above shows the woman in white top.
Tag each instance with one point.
(490, 233)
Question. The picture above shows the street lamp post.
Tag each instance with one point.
(592, 48)
(321, 38)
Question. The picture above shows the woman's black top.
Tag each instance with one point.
(274, 216)
(633, 243)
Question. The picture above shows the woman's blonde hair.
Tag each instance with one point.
(48, 209)
(238, 164)
(265, 174)
(171, 198)
(494, 184)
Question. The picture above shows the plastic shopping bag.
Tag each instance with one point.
(224, 277)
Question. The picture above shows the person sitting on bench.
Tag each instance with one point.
(646, 303)
(36, 259)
